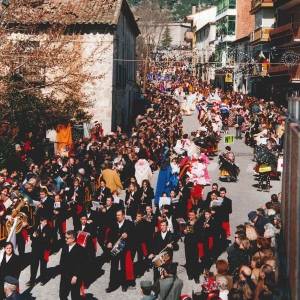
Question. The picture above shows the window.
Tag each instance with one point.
(224, 5)
(30, 69)
(231, 25)
(226, 26)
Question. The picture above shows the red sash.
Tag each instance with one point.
(200, 249)
(226, 227)
(63, 227)
(79, 209)
(94, 240)
(24, 234)
(144, 249)
(210, 242)
(129, 269)
(46, 255)
(50, 223)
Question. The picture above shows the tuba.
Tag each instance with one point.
(21, 217)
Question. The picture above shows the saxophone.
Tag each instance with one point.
(22, 218)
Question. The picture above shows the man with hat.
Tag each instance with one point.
(11, 288)
(146, 287)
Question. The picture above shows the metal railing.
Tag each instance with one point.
(260, 34)
(290, 29)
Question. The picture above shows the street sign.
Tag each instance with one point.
(229, 139)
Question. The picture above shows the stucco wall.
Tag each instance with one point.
(97, 53)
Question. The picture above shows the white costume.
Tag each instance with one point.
(142, 171)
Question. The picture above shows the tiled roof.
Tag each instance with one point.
(65, 11)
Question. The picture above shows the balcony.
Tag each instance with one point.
(285, 4)
(258, 4)
(293, 72)
(260, 35)
(289, 32)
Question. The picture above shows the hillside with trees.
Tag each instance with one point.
(178, 8)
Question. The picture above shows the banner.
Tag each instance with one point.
(229, 139)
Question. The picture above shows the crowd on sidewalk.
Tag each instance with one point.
(140, 232)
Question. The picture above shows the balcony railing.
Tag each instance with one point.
(279, 3)
(257, 4)
(260, 35)
(285, 70)
(290, 30)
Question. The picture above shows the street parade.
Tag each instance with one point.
(100, 205)
(149, 149)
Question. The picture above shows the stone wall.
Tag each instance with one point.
(291, 206)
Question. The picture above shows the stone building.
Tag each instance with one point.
(108, 29)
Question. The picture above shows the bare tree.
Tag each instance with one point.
(42, 62)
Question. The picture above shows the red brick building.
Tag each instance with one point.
(244, 20)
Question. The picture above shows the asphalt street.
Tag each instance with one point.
(244, 197)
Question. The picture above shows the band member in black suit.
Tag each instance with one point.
(84, 226)
(173, 226)
(146, 194)
(45, 207)
(102, 193)
(191, 248)
(71, 264)
(75, 198)
(142, 241)
(132, 200)
(60, 212)
(162, 240)
(207, 239)
(122, 230)
(9, 266)
(93, 220)
(107, 218)
(41, 241)
(151, 220)
(224, 211)
(214, 190)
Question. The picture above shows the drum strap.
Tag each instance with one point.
(170, 288)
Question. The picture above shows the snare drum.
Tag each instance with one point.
(82, 238)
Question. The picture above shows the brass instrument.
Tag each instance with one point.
(22, 218)
(189, 228)
(118, 247)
